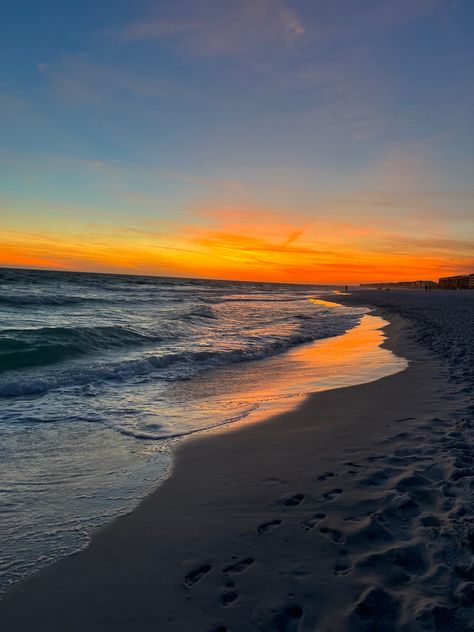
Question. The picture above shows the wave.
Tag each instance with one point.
(19, 300)
(252, 299)
(117, 297)
(36, 300)
(22, 348)
(178, 365)
(200, 312)
(156, 432)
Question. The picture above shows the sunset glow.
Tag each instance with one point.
(262, 141)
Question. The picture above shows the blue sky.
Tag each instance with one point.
(129, 115)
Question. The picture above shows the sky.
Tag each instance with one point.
(306, 141)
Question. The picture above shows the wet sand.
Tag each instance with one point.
(348, 513)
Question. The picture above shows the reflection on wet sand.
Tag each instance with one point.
(279, 383)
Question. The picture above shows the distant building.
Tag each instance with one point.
(459, 282)
(417, 284)
(402, 285)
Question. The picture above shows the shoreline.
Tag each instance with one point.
(348, 359)
(275, 525)
(86, 437)
(254, 390)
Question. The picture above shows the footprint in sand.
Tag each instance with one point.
(376, 610)
(370, 535)
(228, 597)
(341, 568)
(196, 575)
(343, 564)
(326, 475)
(332, 494)
(239, 566)
(292, 501)
(309, 524)
(397, 566)
(268, 526)
(419, 488)
(333, 534)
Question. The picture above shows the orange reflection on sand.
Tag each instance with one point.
(349, 358)
(279, 383)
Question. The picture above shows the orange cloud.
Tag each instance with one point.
(241, 243)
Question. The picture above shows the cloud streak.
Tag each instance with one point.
(235, 26)
(219, 28)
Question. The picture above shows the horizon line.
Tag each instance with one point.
(161, 276)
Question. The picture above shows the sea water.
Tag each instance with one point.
(102, 375)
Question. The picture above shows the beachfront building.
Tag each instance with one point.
(420, 285)
(413, 285)
(459, 282)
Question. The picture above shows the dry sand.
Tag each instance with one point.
(352, 512)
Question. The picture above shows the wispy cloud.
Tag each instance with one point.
(219, 28)
(215, 27)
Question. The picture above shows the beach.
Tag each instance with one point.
(352, 511)
(102, 375)
(237, 316)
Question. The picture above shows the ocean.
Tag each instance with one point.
(102, 375)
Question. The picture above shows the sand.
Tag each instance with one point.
(352, 512)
